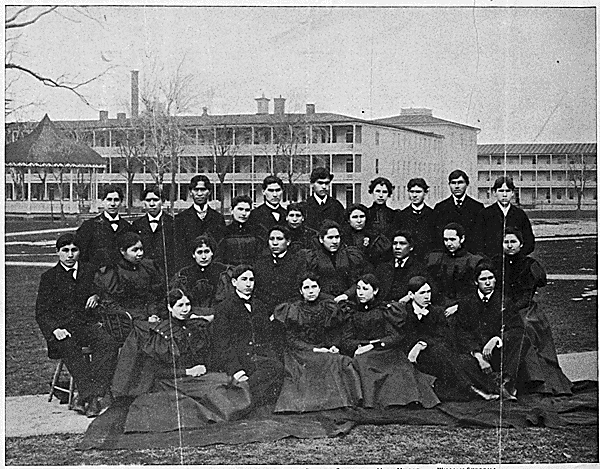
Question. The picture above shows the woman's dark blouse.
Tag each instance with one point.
(203, 284)
(375, 247)
(381, 219)
(371, 321)
(522, 276)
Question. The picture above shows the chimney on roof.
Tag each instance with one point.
(121, 116)
(135, 94)
(279, 106)
(310, 109)
(416, 111)
(263, 105)
(103, 116)
(205, 111)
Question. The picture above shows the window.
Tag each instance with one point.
(499, 161)
(376, 166)
(358, 136)
(349, 164)
(534, 159)
(548, 195)
(357, 162)
(349, 136)
(571, 195)
(376, 139)
(559, 195)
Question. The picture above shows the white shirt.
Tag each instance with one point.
(245, 299)
(115, 227)
(201, 212)
(484, 298)
(156, 221)
(319, 200)
(419, 208)
(400, 262)
(503, 208)
(461, 200)
(73, 269)
(275, 214)
(420, 312)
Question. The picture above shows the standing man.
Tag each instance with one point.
(156, 230)
(320, 206)
(64, 311)
(270, 213)
(199, 219)
(97, 237)
(458, 208)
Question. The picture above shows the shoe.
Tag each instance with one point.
(106, 401)
(93, 408)
(484, 395)
(78, 405)
(508, 393)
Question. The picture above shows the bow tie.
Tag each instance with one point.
(416, 212)
(485, 299)
(459, 204)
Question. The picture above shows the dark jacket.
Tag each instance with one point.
(316, 214)
(262, 216)
(61, 301)
(489, 230)
(277, 279)
(382, 219)
(97, 240)
(242, 243)
(432, 328)
(422, 228)
(205, 285)
(394, 280)
(303, 238)
(239, 335)
(158, 245)
(188, 226)
(446, 212)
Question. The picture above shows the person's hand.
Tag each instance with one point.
(450, 310)
(341, 297)
(239, 377)
(321, 349)
(489, 347)
(334, 349)
(153, 318)
(197, 370)
(92, 302)
(414, 352)
(405, 299)
(483, 363)
(61, 334)
(363, 349)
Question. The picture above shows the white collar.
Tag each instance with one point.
(271, 206)
(242, 296)
(151, 218)
(504, 209)
(402, 262)
(279, 256)
(110, 219)
(200, 209)
(75, 267)
(482, 296)
(419, 208)
(461, 200)
(420, 312)
(319, 200)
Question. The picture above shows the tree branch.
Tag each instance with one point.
(9, 25)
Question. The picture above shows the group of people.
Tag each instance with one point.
(307, 307)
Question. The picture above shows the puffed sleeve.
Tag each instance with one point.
(379, 249)
(395, 317)
(538, 273)
(348, 342)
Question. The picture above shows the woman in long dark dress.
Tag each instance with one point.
(375, 247)
(166, 363)
(426, 340)
(373, 336)
(317, 377)
(381, 218)
(521, 276)
(134, 284)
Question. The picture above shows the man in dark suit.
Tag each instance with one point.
(196, 220)
(270, 213)
(320, 206)
(97, 237)
(64, 312)
(156, 230)
(247, 343)
(458, 208)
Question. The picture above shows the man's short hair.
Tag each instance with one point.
(204, 240)
(328, 225)
(285, 231)
(481, 266)
(241, 199)
(406, 235)
(460, 230)
(320, 173)
(110, 188)
(419, 182)
(458, 173)
(415, 283)
(296, 207)
(381, 181)
(153, 190)
(65, 240)
(197, 178)
(503, 180)
(271, 180)
(240, 269)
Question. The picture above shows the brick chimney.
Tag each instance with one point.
(121, 116)
(310, 109)
(205, 111)
(262, 105)
(135, 93)
(279, 106)
(103, 116)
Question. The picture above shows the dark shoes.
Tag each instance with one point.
(78, 405)
(93, 408)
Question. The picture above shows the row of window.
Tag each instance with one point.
(538, 159)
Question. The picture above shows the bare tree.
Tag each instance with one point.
(580, 171)
(223, 150)
(130, 141)
(58, 171)
(17, 174)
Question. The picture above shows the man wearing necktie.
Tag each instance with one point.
(97, 237)
(156, 230)
(320, 206)
(270, 213)
(64, 312)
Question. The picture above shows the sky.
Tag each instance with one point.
(518, 74)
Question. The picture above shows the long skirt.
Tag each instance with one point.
(389, 379)
(189, 402)
(317, 381)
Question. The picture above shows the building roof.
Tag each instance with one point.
(536, 148)
(209, 120)
(419, 119)
(48, 146)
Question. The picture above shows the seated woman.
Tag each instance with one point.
(373, 336)
(317, 377)
(204, 279)
(426, 341)
(164, 366)
(521, 276)
(374, 246)
(134, 284)
(338, 266)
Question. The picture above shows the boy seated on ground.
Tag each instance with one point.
(64, 311)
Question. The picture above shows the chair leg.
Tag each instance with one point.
(71, 392)
(55, 378)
